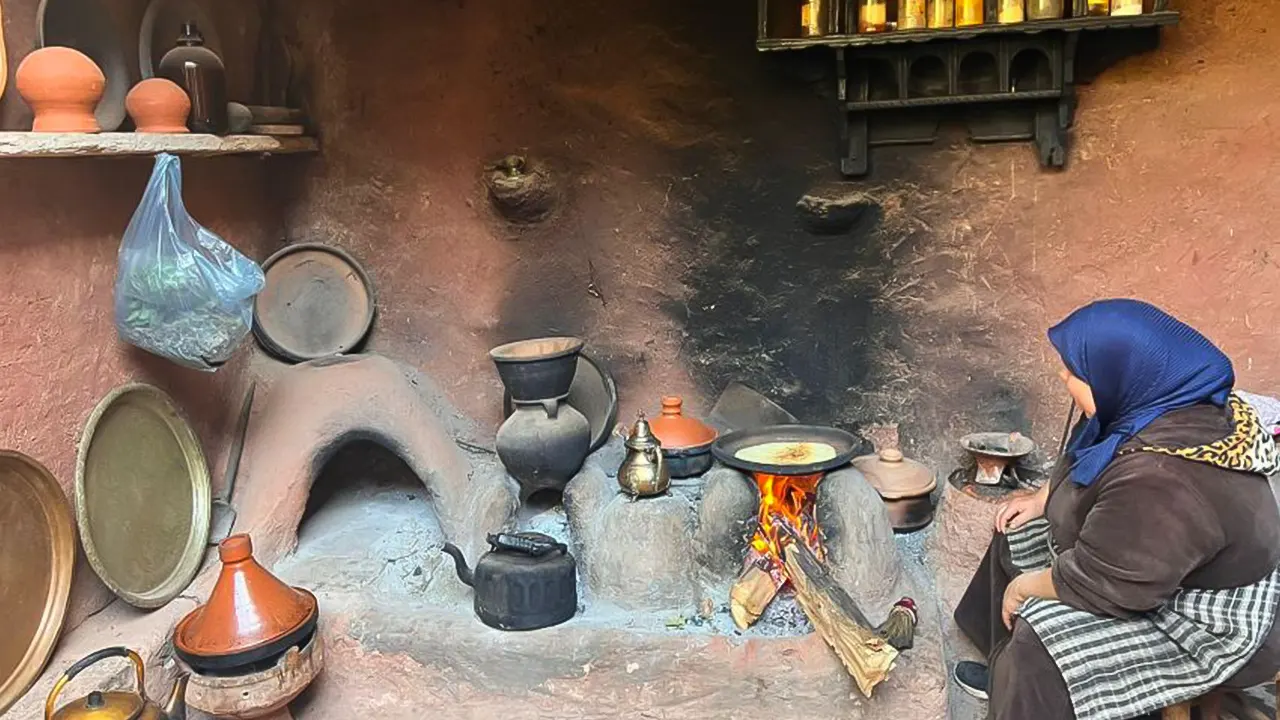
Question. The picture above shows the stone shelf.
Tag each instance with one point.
(43, 145)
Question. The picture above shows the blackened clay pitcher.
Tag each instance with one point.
(543, 445)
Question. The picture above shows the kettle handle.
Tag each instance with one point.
(83, 663)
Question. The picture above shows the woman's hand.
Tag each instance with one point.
(1038, 584)
(1021, 510)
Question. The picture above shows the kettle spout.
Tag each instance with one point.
(464, 572)
(175, 708)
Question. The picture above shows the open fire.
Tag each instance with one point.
(787, 511)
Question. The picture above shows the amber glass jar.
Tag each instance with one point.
(1099, 7)
(941, 13)
(911, 14)
(1044, 9)
(873, 16)
(968, 13)
(1010, 12)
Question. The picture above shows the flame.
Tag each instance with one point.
(785, 499)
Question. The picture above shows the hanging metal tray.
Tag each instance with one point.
(142, 496)
(37, 554)
(318, 302)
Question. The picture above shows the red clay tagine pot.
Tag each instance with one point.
(63, 87)
(158, 105)
(251, 616)
(686, 442)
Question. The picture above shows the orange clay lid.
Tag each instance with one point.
(248, 608)
(676, 431)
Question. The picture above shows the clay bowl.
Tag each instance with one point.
(90, 26)
(158, 106)
(538, 369)
(62, 86)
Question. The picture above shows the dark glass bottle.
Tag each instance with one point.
(201, 73)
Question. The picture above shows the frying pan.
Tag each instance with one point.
(726, 448)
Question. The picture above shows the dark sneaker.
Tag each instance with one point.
(972, 678)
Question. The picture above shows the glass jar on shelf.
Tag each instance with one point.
(941, 13)
(815, 16)
(1044, 9)
(1010, 11)
(1099, 8)
(969, 13)
(911, 14)
(873, 16)
(1126, 7)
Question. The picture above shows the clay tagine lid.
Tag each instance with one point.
(895, 476)
(677, 431)
(158, 105)
(249, 608)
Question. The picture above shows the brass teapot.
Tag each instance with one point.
(644, 470)
(116, 704)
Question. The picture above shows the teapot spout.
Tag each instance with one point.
(175, 708)
(460, 562)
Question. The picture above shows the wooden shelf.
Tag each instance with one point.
(45, 145)
(1165, 17)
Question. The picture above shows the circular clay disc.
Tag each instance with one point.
(37, 554)
(142, 496)
(317, 302)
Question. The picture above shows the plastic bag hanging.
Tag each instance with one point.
(181, 292)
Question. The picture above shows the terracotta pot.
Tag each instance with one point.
(543, 446)
(62, 86)
(904, 485)
(250, 616)
(158, 106)
(686, 442)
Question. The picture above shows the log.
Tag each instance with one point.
(750, 595)
(865, 654)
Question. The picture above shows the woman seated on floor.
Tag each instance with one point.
(1144, 573)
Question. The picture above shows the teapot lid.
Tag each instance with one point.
(642, 437)
(677, 431)
(98, 705)
(895, 476)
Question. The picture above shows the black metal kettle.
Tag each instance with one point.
(526, 581)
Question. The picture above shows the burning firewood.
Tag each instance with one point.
(866, 655)
(750, 595)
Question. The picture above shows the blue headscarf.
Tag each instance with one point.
(1140, 363)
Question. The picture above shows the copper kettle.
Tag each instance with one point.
(116, 704)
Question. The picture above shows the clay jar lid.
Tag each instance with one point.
(894, 476)
(678, 432)
(248, 609)
(63, 87)
(158, 105)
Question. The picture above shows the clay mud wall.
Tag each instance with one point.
(679, 154)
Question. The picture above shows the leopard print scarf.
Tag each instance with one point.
(1249, 447)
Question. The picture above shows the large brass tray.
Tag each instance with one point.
(142, 496)
(37, 554)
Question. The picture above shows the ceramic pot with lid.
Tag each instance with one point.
(526, 581)
(63, 87)
(904, 485)
(251, 616)
(116, 704)
(644, 470)
(686, 442)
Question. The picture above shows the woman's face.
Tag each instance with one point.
(1079, 391)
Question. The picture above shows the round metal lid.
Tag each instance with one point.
(37, 554)
(142, 496)
(317, 301)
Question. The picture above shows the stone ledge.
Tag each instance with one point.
(45, 145)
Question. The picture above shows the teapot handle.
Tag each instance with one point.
(83, 663)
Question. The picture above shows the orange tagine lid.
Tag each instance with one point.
(676, 431)
(249, 611)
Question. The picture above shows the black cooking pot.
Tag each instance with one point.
(525, 582)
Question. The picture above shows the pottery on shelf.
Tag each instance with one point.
(92, 27)
(538, 369)
(251, 615)
(158, 106)
(686, 442)
(200, 72)
(543, 445)
(62, 86)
